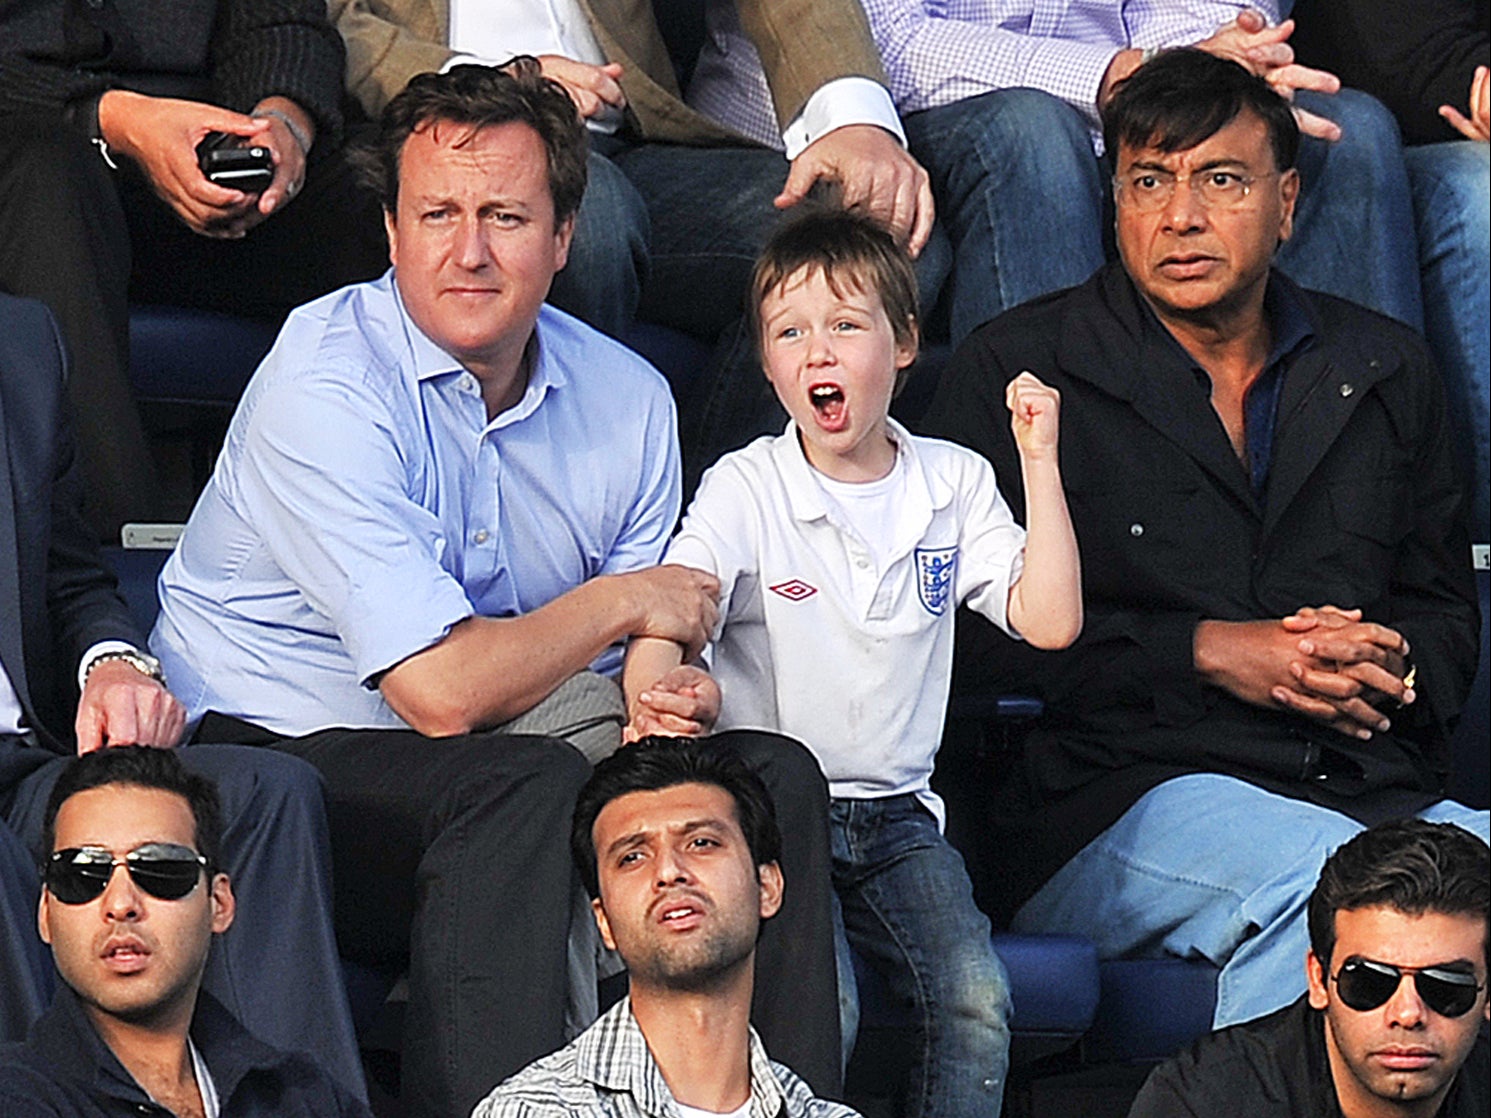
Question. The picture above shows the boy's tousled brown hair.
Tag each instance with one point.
(849, 249)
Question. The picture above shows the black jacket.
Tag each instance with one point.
(1412, 57)
(1277, 1067)
(1361, 508)
(56, 55)
(64, 1070)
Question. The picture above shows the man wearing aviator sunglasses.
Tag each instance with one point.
(130, 1031)
(1393, 1023)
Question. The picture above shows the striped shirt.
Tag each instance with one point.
(608, 1072)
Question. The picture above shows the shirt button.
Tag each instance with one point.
(861, 563)
(1346, 389)
(1136, 530)
(480, 536)
(468, 382)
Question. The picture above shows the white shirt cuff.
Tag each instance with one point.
(843, 101)
(102, 648)
(471, 60)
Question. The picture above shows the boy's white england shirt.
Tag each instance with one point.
(820, 639)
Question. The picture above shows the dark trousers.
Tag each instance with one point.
(86, 240)
(276, 969)
(452, 855)
(796, 1000)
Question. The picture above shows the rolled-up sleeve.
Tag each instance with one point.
(331, 494)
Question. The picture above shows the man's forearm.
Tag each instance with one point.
(490, 670)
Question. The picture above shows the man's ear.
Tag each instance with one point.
(1288, 197)
(562, 237)
(772, 886)
(44, 918)
(1319, 981)
(390, 226)
(603, 924)
(224, 906)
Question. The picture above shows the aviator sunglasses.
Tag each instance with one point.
(165, 870)
(1366, 984)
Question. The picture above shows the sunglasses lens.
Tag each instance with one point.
(1445, 995)
(169, 879)
(76, 876)
(1365, 986)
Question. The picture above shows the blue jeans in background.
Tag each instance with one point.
(1028, 207)
(1452, 205)
(908, 910)
(1207, 866)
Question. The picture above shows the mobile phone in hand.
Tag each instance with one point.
(225, 160)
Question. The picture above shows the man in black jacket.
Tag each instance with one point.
(1401, 900)
(1280, 609)
(102, 106)
(129, 1032)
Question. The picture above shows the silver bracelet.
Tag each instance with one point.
(296, 131)
(1149, 54)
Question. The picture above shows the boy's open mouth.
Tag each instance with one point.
(828, 401)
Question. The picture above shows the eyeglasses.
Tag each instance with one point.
(1366, 984)
(165, 870)
(1149, 191)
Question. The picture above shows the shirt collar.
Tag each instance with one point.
(72, 1045)
(613, 1054)
(809, 500)
(428, 361)
(1290, 325)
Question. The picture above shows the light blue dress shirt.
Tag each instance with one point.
(363, 505)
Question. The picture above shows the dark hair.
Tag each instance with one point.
(142, 767)
(1410, 866)
(848, 248)
(478, 97)
(655, 763)
(1183, 97)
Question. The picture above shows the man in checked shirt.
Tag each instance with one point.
(677, 842)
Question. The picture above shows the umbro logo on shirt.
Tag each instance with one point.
(795, 590)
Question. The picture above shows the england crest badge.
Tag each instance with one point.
(934, 577)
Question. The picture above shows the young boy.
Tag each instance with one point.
(843, 548)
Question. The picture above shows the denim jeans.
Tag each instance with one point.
(601, 283)
(1212, 867)
(1028, 208)
(1451, 185)
(908, 909)
(670, 234)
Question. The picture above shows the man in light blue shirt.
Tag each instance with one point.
(440, 503)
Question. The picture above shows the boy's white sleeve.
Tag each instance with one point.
(992, 544)
(718, 532)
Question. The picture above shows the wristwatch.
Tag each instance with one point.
(142, 662)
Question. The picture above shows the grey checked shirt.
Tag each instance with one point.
(608, 1072)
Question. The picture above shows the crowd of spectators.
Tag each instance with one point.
(394, 626)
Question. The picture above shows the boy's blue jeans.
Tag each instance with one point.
(908, 909)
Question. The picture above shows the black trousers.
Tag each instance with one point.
(452, 855)
(86, 241)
